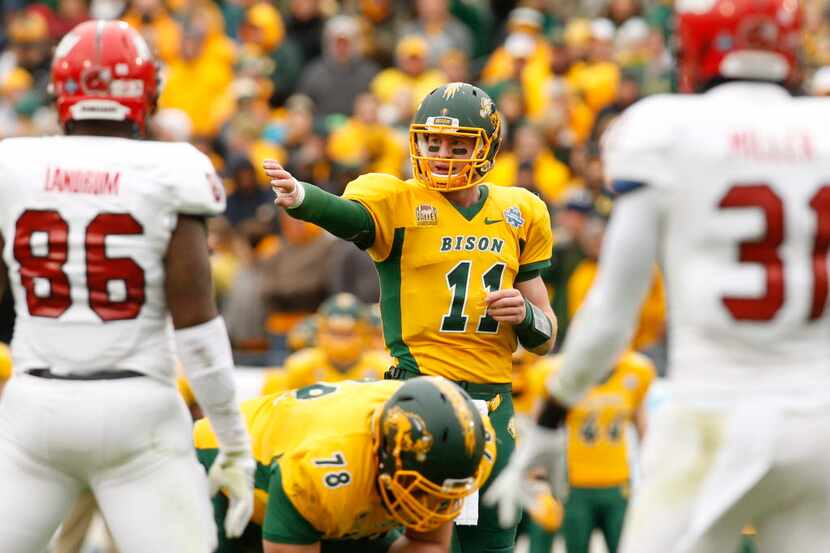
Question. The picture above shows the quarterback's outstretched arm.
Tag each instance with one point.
(343, 218)
(606, 322)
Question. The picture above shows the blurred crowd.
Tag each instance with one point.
(328, 88)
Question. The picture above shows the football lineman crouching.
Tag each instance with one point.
(359, 466)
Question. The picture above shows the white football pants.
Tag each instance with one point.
(706, 472)
(129, 441)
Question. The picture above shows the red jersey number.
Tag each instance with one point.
(41, 249)
(764, 251)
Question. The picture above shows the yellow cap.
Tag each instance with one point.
(266, 18)
(577, 32)
(28, 27)
(5, 362)
(412, 45)
(16, 80)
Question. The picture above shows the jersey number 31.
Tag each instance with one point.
(764, 251)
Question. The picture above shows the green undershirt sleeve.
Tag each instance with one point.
(343, 218)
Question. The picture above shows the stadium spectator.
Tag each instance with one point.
(200, 74)
(304, 25)
(30, 51)
(350, 270)
(228, 254)
(441, 29)
(531, 165)
(247, 196)
(598, 76)
(362, 144)
(627, 93)
(292, 281)
(304, 146)
(569, 222)
(262, 34)
(526, 25)
(335, 80)
(171, 125)
(411, 73)
(156, 24)
(15, 92)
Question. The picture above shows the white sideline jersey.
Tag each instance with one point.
(743, 180)
(86, 223)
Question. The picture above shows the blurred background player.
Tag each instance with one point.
(458, 261)
(598, 452)
(543, 518)
(341, 350)
(104, 241)
(349, 466)
(727, 187)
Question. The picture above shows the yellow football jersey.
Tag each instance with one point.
(652, 323)
(321, 438)
(524, 392)
(436, 264)
(311, 365)
(597, 452)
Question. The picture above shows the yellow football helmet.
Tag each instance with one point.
(339, 329)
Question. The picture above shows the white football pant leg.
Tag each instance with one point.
(35, 495)
(157, 498)
(796, 510)
(678, 452)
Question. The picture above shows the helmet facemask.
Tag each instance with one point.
(420, 504)
(411, 498)
(464, 171)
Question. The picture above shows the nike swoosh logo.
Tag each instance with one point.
(489, 221)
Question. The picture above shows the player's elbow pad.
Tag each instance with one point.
(205, 353)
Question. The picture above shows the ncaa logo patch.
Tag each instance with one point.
(513, 216)
(426, 215)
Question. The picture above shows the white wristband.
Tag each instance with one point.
(205, 353)
(300, 195)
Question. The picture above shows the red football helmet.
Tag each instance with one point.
(104, 70)
(738, 39)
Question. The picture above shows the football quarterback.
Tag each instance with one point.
(458, 261)
(349, 465)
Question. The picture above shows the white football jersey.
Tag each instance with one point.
(86, 223)
(743, 174)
